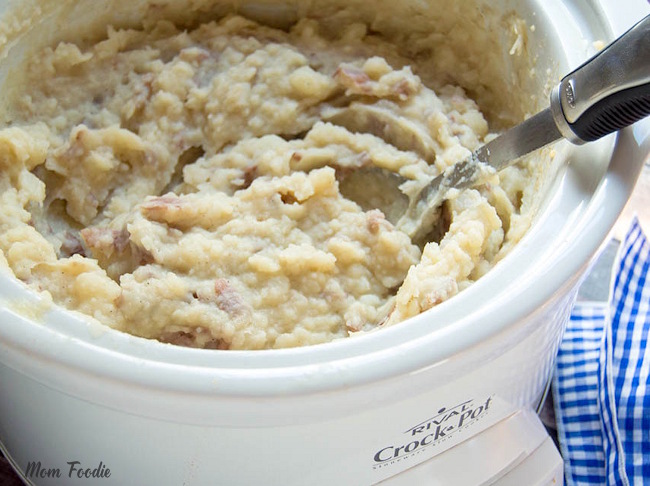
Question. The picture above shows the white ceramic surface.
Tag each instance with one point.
(348, 412)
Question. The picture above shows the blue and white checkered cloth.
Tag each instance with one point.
(601, 384)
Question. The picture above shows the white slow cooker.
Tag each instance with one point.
(447, 398)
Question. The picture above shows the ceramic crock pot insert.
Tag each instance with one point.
(490, 346)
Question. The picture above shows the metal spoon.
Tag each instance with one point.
(607, 93)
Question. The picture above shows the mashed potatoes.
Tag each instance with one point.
(184, 185)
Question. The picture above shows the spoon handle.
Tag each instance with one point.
(608, 92)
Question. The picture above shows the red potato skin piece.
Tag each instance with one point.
(188, 339)
(96, 238)
(375, 220)
(228, 299)
(353, 79)
(163, 209)
(358, 82)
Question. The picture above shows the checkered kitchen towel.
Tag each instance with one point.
(602, 385)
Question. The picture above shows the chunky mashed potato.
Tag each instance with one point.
(184, 185)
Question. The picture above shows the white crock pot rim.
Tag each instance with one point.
(401, 349)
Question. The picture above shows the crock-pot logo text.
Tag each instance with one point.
(441, 427)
